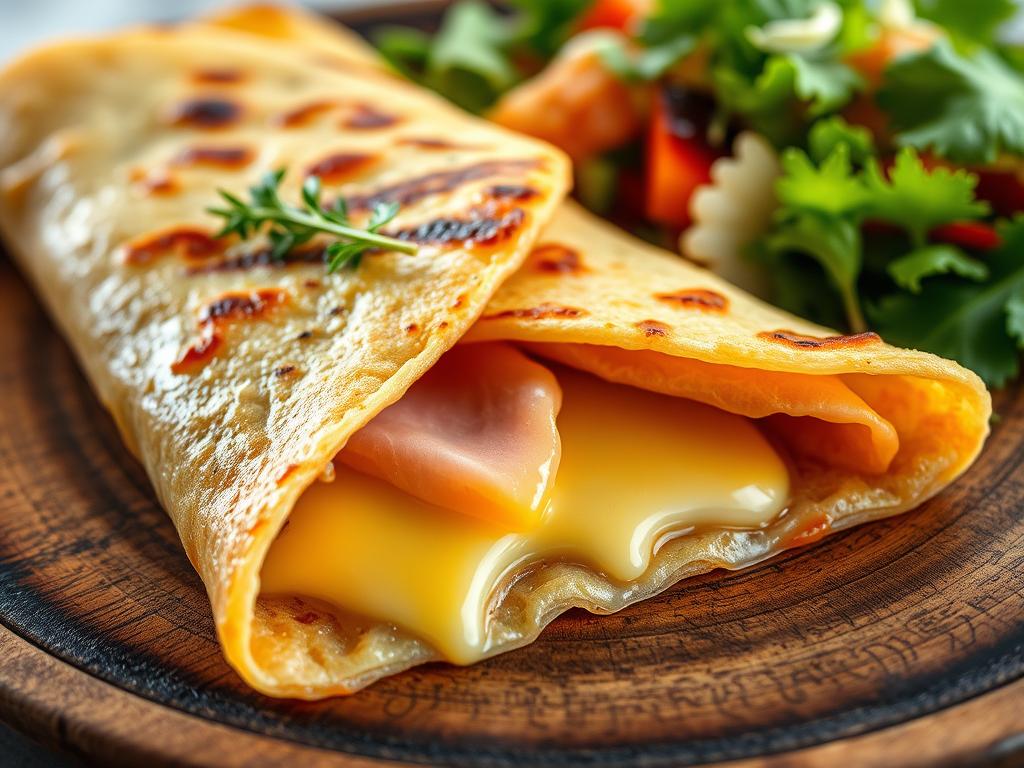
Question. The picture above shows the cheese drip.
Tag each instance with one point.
(636, 468)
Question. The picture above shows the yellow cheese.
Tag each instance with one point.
(637, 468)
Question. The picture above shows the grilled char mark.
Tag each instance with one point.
(431, 143)
(217, 157)
(366, 117)
(242, 306)
(801, 341)
(339, 166)
(439, 182)
(263, 257)
(509, 192)
(696, 298)
(654, 328)
(218, 76)
(305, 114)
(206, 112)
(556, 259)
(190, 244)
(540, 312)
(230, 307)
(482, 230)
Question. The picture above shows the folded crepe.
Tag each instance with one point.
(617, 419)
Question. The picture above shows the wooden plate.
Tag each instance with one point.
(897, 643)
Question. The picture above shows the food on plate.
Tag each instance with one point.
(897, 126)
(402, 400)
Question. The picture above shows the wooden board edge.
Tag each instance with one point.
(61, 705)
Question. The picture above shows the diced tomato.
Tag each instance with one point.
(975, 235)
(614, 14)
(679, 161)
(1003, 189)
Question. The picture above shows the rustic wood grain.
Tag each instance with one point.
(900, 643)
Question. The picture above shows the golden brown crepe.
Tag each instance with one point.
(864, 430)
(234, 381)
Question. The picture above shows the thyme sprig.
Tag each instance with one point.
(291, 226)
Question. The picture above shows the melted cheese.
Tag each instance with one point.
(636, 468)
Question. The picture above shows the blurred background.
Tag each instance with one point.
(24, 23)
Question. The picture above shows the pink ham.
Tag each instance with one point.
(476, 434)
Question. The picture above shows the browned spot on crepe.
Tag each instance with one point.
(186, 242)
(801, 341)
(305, 114)
(654, 328)
(206, 112)
(540, 312)
(696, 298)
(366, 117)
(474, 230)
(436, 183)
(229, 307)
(556, 259)
(339, 166)
(217, 157)
(218, 76)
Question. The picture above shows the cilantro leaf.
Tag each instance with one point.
(976, 324)
(831, 188)
(827, 134)
(966, 109)
(974, 21)
(835, 244)
(918, 199)
(824, 85)
(940, 259)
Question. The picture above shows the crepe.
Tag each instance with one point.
(235, 380)
(833, 430)
(871, 430)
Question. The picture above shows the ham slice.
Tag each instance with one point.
(476, 434)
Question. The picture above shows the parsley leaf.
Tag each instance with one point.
(831, 188)
(966, 109)
(835, 244)
(978, 324)
(918, 199)
(941, 259)
(827, 134)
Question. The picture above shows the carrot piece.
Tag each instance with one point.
(678, 162)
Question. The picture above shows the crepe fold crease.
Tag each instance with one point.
(868, 430)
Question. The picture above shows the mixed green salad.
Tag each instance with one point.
(897, 130)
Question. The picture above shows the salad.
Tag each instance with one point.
(858, 163)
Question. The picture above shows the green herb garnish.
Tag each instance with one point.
(290, 226)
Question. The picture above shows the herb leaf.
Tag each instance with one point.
(965, 109)
(918, 199)
(940, 259)
(290, 227)
(831, 188)
(978, 324)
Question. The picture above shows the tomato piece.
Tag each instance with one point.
(1003, 189)
(892, 43)
(974, 235)
(678, 158)
(614, 14)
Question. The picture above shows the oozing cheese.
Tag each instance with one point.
(636, 467)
